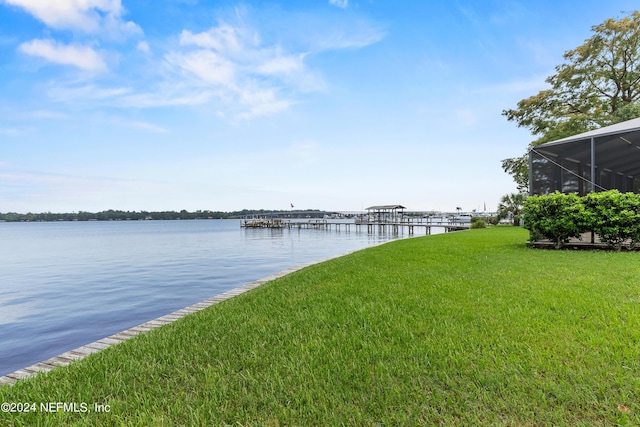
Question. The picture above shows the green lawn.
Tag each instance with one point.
(467, 328)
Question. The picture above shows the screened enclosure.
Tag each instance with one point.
(604, 159)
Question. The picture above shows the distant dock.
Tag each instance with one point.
(411, 226)
(381, 219)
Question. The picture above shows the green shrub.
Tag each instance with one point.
(556, 217)
(614, 216)
(478, 222)
(493, 220)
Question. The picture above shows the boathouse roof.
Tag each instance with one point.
(385, 207)
(602, 159)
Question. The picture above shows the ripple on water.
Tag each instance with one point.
(67, 284)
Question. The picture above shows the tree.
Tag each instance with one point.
(518, 168)
(599, 85)
(511, 206)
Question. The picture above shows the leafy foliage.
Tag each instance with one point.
(511, 206)
(518, 168)
(557, 217)
(613, 216)
(478, 222)
(598, 85)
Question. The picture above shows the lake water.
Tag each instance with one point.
(65, 284)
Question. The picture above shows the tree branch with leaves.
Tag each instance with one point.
(598, 85)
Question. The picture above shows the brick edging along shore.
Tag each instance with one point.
(81, 352)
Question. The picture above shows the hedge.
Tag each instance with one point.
(558, 217)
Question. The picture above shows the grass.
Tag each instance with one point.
(468, 328)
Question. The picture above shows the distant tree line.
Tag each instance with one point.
(117, 215)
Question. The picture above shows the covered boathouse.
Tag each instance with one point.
(385, 214)
(603, 159)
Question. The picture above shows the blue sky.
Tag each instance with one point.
(225, 105)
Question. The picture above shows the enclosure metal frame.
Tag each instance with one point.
(599, 160)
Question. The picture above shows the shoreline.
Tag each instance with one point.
(66, 358)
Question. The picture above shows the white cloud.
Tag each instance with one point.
(340, 3)
(261, 102)
(82, 57)
(345, 35)
(228, 68)
(247, 77)
(86, 93)
(282, 65)
(223, 38)
(91, 16)
(250, 77)
(175, 97)
(143, 47)
(207, 66)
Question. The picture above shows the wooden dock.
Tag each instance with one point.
(381, 227)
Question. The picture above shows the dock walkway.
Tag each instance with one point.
(394, 227)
